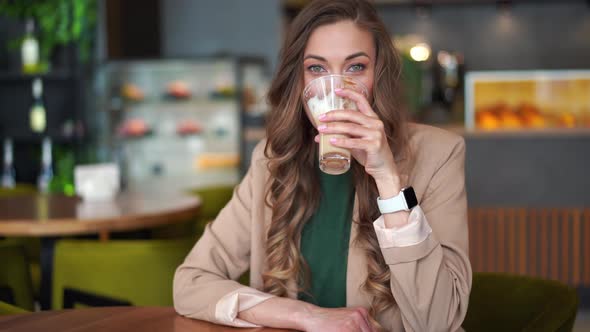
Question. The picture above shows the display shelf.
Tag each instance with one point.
(528, 100)
(547, 132)
(51, 76)
(167, 154)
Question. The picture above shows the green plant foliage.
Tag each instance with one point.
(58, 22)
(63, 179)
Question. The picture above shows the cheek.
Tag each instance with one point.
(369, 85)
(368, 82)
(307, 77)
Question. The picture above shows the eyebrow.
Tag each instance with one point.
(352, 56)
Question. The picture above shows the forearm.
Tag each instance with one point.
(278, 312)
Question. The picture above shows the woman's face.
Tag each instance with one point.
(340, 48)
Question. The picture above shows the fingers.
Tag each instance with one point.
(363, 311)
(363, 320)
(351, 116)
(360, 100)
(369, 145)
(347, 128)
(351, 123)
(367, 317)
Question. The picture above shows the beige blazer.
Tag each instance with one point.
(430, 281)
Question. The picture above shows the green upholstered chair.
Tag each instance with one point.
(15, 279)
(502, 302)
(121, 272)
(7, 309)
(32, 245)
(213, 199)
(18, 190)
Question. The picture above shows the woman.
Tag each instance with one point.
(323, 254)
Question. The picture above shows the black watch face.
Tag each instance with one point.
(410, 197)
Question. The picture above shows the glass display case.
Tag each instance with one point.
(180, 124)
(527, 99)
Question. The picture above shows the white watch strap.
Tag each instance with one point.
(393, 204)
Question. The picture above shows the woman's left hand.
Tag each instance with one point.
(367, 141)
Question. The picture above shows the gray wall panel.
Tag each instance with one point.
(545, 171)
(204, 27)
(527, 36)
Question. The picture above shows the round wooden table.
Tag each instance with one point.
(112, 319)
(51, 216)
(58, 215)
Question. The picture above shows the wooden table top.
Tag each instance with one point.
(112, 319)
(56, 215)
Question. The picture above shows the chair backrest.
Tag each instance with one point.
(18, 190)
(134, 272)
(7, 309)
(502, 302)
(213, 199)
(15, 278)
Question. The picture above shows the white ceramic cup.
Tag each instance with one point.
(98, 182)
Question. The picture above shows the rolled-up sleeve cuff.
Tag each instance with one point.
(415, 232)
(228, 308)
(399, 255)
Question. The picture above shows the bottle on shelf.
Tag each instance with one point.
(8, 173)
(46, 173)
(38, 113)
(30, 49)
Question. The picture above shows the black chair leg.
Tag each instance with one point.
(73, 296)
(7, 295)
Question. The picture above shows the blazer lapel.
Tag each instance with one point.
(356, 270)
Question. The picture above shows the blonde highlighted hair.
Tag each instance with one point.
(293, 194)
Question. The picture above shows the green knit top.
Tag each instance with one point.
(324, 242)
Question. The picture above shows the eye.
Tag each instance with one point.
(316, 69)
(356, 67)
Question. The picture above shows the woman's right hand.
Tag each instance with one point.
(354, 319)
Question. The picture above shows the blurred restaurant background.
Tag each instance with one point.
(169, 95)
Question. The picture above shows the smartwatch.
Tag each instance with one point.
(404, 201)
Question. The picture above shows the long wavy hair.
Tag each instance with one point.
(293, 192)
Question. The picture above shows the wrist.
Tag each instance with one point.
(302, 315)
(388, 186)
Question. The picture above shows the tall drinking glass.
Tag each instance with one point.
(319, 98)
